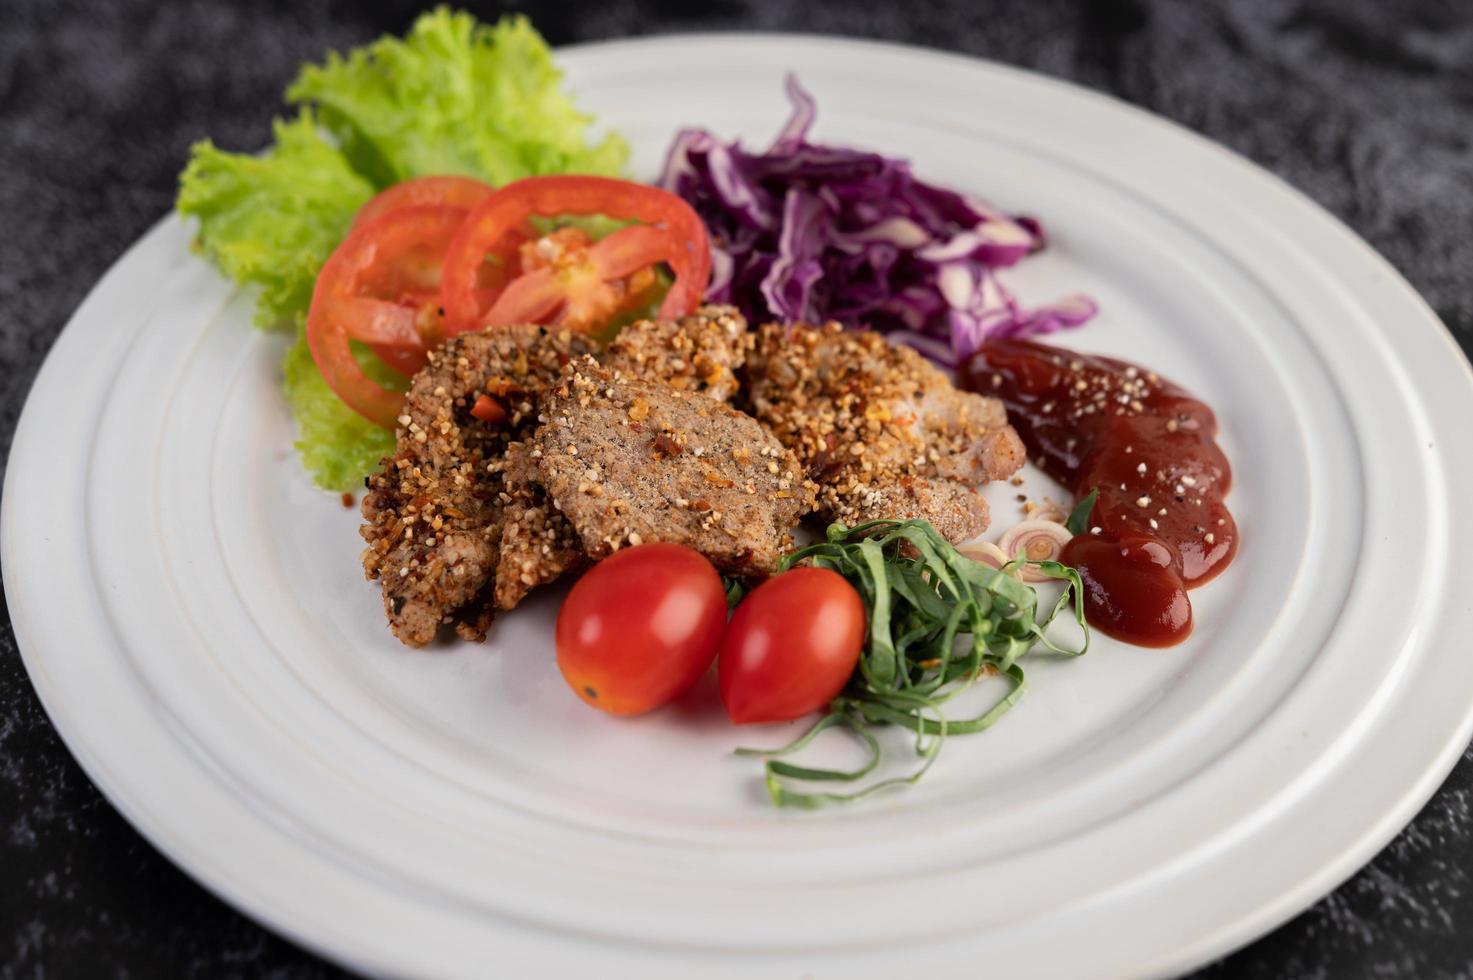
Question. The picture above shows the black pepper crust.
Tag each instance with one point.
(640, 444)
(880, 430)
(630, 461)
(700, 353)
(435, 514)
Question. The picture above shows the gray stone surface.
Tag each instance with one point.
(1367, 107)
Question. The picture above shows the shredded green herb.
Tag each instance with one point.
(1078, 521)
(938, 621)
(736, 590)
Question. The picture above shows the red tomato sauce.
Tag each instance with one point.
(1160, 525)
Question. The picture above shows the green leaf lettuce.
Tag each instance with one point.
(452, 96)
(271, 220)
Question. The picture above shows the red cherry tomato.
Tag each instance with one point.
(640, 627)
(791, 647)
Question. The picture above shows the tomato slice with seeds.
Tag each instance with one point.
(440, 255)
(585, 286)
(480, 286)
(401, 347)
(381, 288)
(447, 190)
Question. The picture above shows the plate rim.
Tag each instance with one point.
(1372, 840)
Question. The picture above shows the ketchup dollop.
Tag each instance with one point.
(1159, 526)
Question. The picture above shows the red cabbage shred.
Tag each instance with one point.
(814, 233)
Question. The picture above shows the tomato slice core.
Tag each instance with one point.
(584, 286)
(671, 233)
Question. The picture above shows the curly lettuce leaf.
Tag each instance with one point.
(337, 445)
(455, 97)
(271, 220)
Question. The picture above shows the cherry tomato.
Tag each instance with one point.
(791, 647)
(451, 191)
(479, 288)
(380, 287)
(640, 627)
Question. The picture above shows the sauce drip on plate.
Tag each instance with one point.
(1160, 526)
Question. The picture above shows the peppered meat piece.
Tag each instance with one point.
(434, 515)
(701, 352)
(629, 461)
(882, 431)
(538, 545)
(951, 507)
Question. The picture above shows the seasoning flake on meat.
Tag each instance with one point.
(538, 545)
(882, 431)
(702, 352)
(435, 513)
(629, 462)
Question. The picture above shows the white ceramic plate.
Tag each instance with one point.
(192, 613)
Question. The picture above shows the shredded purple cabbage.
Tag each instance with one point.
(815, 233)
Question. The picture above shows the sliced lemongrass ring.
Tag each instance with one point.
(1049, 511)
(985, 552)
(1035, 541)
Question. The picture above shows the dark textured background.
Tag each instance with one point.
(1367, 107)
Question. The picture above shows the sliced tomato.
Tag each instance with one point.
(449, 191)
(578, 288)
(380, 287)
(587, 284)
(404, 350)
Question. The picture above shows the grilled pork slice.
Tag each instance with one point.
(697, 353)
(435, 514)
(630, 461)
(701, 352)
(882, 431)
(538, 545)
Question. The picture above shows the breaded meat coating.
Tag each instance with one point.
(697, 353)
(882, 431)
(702, 352)
(434, 515)
(631, 461)
(538, 545)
